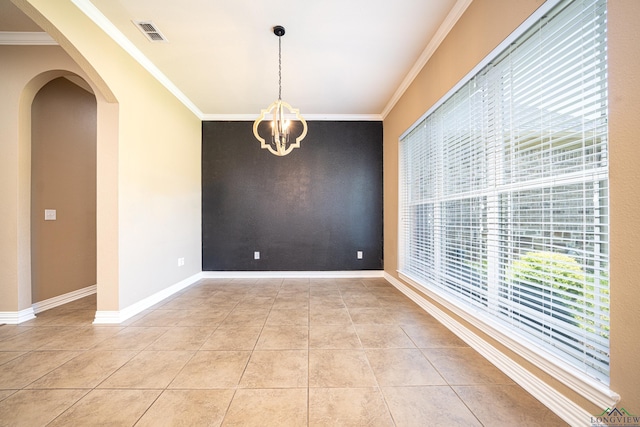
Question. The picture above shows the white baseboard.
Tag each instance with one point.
(104, 317)
(114, 317)
(349, 274)
(565, 408)
(16, 317)
(39, 307)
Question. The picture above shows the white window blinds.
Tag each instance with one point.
(504, 189)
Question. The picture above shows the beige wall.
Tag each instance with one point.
(63, 177)
(25, 70)
(158, 160)
(149, 181)
(482, 27)
(624, 128)
(148, 167)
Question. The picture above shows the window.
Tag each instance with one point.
(504, 189)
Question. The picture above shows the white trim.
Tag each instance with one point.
(344, 117)
(307, 117)
(26, 38)
(111, 317)
(112, 31)
(15, 317)
(107, 318)
(566, 409)
(39, 307)
(291, 274)
(590, 388)
(114, 317)
(522, 28)
(456, 12)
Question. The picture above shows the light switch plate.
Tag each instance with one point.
(49, 214)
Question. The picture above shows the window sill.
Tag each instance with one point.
(591, 389)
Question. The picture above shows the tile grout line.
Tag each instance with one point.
(252, 297)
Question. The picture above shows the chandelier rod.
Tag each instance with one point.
(279, 68)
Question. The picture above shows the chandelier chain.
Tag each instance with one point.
(279, 67)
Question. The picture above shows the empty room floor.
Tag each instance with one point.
(256, 352)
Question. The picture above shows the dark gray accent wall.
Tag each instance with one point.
(309, 211)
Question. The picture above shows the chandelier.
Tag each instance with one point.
(288, 127)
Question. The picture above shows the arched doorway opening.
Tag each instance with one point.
(63, 193)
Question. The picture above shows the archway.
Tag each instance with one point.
(107, 125)
(63, 192)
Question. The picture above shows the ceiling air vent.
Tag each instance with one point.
(150, 30)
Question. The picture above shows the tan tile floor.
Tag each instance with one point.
(285, 352)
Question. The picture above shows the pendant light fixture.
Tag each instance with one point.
(287, 127)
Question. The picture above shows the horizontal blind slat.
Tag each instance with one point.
(504, 189)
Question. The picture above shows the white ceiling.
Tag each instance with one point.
(341, 59)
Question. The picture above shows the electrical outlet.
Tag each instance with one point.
(256, 255)
(49, 214)
(359, 254)
(180, 262)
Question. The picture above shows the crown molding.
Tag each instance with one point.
(112, 31)
(307, 117)
(93, 13)
(344, 117)
(446, 26)
(26, 38)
